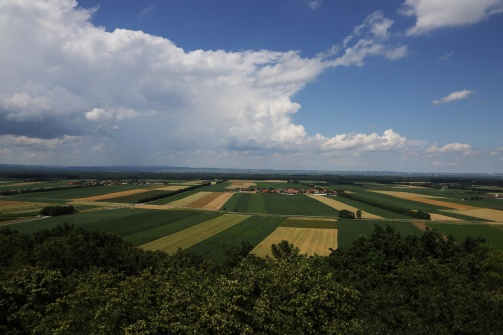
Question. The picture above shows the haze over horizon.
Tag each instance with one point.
(406, 85)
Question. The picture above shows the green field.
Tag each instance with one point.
(268, 203)
(350, 230)
(253, 230)
(122, 221)
(492, 235)
(296, 205)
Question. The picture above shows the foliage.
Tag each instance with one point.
(346, 214)
(57, 210)
(71, 281)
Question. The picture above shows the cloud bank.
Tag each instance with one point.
(133, 93)
(73, 93)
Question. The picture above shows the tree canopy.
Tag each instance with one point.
(71, 281)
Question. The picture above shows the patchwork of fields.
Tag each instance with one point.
(204, 219)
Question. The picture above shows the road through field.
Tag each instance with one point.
(192, 235)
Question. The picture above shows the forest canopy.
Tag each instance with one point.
(69, 280)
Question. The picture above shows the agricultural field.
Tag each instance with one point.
(202, 220)
(254, 230)
(192, 235)
(310, 241)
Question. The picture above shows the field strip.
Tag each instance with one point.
(274, 181)
(309, 218)
(115, 194)
(200, 203)
(10, 206)
(481, 213)
(241, 184)
(170, 188)
(192, 235)
(187, 200)
(194, 182)
(425, 199)
(340, 205)
(308, 240)
(435, 216)
(217, 203)
(99, 204)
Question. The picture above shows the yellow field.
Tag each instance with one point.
(481, 213)
(435, 216)
(339, 206)
(187, 200)
(309, 240)
(192, 235)
(217, 203)
(116, 194)
(169, 188)
(241, 184)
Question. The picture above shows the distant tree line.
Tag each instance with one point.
(67, 280)
(43, 189)
(57, 210)
(171, 193)
(399, 210)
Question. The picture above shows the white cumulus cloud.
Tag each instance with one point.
(69, 75)
(453, 96)
(434, 14)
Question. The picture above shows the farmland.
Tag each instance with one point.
(203, 219)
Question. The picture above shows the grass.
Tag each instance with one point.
(238, 202)
(350, 230)
(371, 209)
(192, 235)
(296, 205)
(122, 221)
(158, 231)
(256, 204)
(253, 230)
(492, 235)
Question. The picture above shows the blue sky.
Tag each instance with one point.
(409, 85)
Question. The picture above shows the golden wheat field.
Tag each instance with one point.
(309, 240)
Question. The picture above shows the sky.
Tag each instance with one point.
(333, 85)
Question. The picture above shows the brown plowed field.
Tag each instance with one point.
(218, 202)
(309, 240)
(200, 203)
